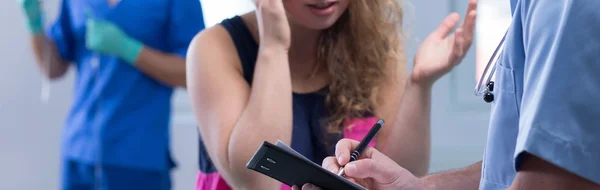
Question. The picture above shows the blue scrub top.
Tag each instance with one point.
(547, 89)
(120, 116)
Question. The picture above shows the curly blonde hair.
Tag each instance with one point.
(357, 51)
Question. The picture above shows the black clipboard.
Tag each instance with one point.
(282, 163)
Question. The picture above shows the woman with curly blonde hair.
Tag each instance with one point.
(308, 73)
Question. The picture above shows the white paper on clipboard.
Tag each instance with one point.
(289, 149)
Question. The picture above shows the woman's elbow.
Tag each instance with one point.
(420, 166)
(421, 169)
(417, 162)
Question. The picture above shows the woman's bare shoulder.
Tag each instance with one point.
(212, 46)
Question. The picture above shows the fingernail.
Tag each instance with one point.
(332, 169)
(310, 186)
(339, 160)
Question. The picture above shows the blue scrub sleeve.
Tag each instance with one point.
(61, 33)
(186, 20)
(560, 110)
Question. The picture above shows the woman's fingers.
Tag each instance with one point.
(472, 6)
(469, 23)
(459, 47)
(463, 36)
(469, 26)
(307, 186)
(310, 187)
(449, 22)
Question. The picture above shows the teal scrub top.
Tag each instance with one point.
(120, 116)
(547, 91)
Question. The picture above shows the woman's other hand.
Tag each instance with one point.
(273, 25)
(440, 52)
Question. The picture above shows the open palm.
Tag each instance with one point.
(440, 52)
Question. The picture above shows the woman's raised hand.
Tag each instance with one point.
(441, 51)
(273, 26)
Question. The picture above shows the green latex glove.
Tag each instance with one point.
(105, 37)
(33, 14)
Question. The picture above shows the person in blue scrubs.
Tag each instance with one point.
(545, 121)
(129, 55)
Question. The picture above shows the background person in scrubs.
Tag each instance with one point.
(129, 55)
(545, 125)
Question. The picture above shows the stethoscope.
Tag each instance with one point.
(487, 90)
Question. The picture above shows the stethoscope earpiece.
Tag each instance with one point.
(489, 96)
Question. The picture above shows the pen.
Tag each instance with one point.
(363, 144)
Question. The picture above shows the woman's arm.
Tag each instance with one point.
(233, 118)
(408, 141)
(405, 106)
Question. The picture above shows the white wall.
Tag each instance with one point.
(30, 129)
